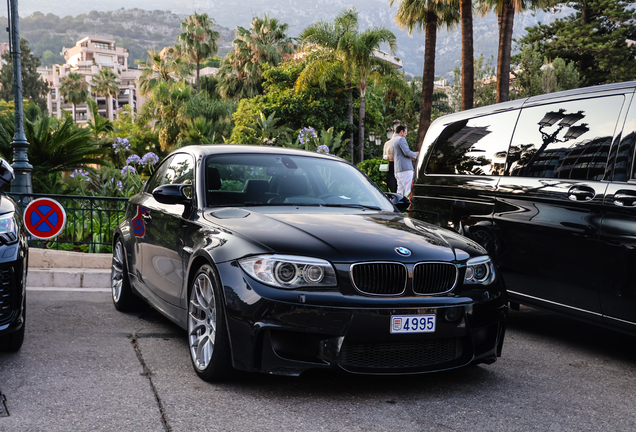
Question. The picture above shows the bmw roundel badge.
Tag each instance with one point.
(403, 251)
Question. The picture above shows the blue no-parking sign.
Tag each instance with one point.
(44, 218)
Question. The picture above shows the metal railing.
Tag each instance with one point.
(90, 221)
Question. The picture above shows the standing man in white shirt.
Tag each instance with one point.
(402, 157)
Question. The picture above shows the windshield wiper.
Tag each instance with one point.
(362, 206)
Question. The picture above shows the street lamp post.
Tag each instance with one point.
(21, 166)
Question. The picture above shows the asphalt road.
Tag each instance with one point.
(86, 367)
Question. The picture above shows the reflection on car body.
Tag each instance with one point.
(278, 260)
(551, 197)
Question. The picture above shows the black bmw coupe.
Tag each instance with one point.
(279, 260)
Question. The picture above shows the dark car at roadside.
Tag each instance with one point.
(547, 185)
(13, 268)
(279, 260)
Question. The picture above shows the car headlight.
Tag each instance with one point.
(480, 271)
(286, 271)
(8, 227)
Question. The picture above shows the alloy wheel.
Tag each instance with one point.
(202, 323)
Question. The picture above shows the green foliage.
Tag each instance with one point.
(55, 146)
(33, 87)
(198, 40)
(264, 44)
(334, 141)
(74, 89)
(537, 76)
(371, 167)
(315, 107)
(593, 37)
(267, 131)
(157, 69)
(142, 137)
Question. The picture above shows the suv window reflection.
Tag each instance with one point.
(476, 146)
(569, 140)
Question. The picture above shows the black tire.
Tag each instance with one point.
(123, 297)
(12, 342)
(208, 339)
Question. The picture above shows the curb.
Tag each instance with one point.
(49, 258)
(53, 269)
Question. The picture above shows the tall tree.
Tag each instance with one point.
(265, 42)
(361, 49)
(33, 86)
(427, 16)
(105, 83)
(157, 69)
(74, 90)
(198, 40)
(468, 67)
(356, 54)
(322, 39)
(595, 37)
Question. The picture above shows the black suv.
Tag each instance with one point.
(13, 267)
(548, 186)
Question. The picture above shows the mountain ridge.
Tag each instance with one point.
(298, 14)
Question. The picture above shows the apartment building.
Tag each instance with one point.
(86, 58)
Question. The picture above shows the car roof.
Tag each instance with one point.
(218, 149)
(519, 103)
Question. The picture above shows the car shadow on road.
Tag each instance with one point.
(559, 329)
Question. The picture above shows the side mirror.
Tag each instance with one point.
(401, 202)
(6, 174)
(172, 194)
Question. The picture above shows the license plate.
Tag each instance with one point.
(413, 324)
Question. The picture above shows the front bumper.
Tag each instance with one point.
(12, 295)
(299, 331)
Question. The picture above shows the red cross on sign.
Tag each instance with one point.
(44, 218)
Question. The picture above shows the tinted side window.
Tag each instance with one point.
(476, 146)
(568, 140)
(157, 179)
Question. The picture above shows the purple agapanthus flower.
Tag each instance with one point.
(149, 159)
(119, 185)
(323, 149)
(133, 159)
(121, 144)
(128, 169)
(306, 134)
(81, 174)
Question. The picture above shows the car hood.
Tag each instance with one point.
(342, 237)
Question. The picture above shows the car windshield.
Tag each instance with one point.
(264, 179)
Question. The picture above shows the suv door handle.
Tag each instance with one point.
(623, 198)
(581, 193)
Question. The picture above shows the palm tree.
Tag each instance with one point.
(157, 68)
(105, 83)
(167, 104)
(74, 89)
(241, 73)
(468, 57)
(428, 15)
(328, 61)
(506, 10)
(354, 53)
(361, 48)
(199, 40)
(99, 126)
(55, 146)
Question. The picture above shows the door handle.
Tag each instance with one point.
(581, 193)
(622, 199)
